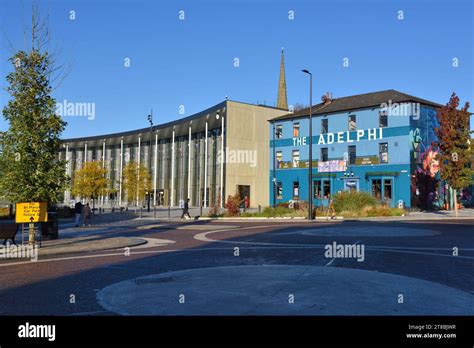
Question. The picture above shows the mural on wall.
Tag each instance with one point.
(425, 187)
(430, 163)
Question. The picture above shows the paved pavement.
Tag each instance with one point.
(225, 267)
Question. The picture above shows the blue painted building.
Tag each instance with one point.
(376, 142)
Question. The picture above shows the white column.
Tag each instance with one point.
(205, 170)
(155, 166)
(222, 163)
(164, 165)
(85, 152)
(121, 169)
(138, 168)
(103, 154)
(189, 164)
(172, 173)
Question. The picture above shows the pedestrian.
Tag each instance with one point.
(86, 212)
(78, 212)
(186, 210)
(246, 202)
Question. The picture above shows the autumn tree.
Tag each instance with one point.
(136, 182)
(454, 145)
(90, 181)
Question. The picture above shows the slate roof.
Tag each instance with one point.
(358, 101)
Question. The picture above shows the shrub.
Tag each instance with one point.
(353, 201)
(372, 211)
(233, 205)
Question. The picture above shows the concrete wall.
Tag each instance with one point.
(247, 132)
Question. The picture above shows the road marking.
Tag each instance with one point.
(152, 243)
(203, 237)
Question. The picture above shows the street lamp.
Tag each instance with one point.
(310, 179)
(150, 120)
(274, 168)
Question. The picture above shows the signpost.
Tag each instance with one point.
(29, 213)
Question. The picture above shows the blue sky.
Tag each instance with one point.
(190, 62)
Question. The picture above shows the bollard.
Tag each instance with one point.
(201, 211)
(259, 208)
(154, 212)
(169, 212)
(141, 213)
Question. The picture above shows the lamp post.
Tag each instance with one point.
(310, 179)
(150, 120)
(274, 168)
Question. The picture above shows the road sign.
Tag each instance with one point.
(31, 212)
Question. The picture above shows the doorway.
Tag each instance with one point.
(244, 191)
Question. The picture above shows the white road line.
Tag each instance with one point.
(203, 237)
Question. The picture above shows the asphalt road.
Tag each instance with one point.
(224, 267)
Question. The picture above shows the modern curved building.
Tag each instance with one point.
(203, 157)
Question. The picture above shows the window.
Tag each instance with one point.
(296, 158)
(352, 122)
(296, 190)
(377, 188)
(387, 189)
(279, 190)
(279, 158)
(383, 119)
(326, 189)
(383, 152)
(324, 154)
(324, 126)
(352, 154)
(351, 185)
(279, 131)
(296, 129)
(317, 189)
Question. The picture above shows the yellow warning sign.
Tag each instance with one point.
(31, 212)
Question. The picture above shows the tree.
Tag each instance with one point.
(90, 181)
(136, 182)
(233, 205)
(454, 145)
(30, 146)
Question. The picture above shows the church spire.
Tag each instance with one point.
(282, 102)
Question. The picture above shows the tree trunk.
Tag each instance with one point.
(455, 202)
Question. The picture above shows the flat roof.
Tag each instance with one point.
(165, 130)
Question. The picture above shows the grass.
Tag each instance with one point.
(347, 204)
(277, 212)
(373, 211)
(353, 201)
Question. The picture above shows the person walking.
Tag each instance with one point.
(186, 210)
(78, 212)
(86, 212)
